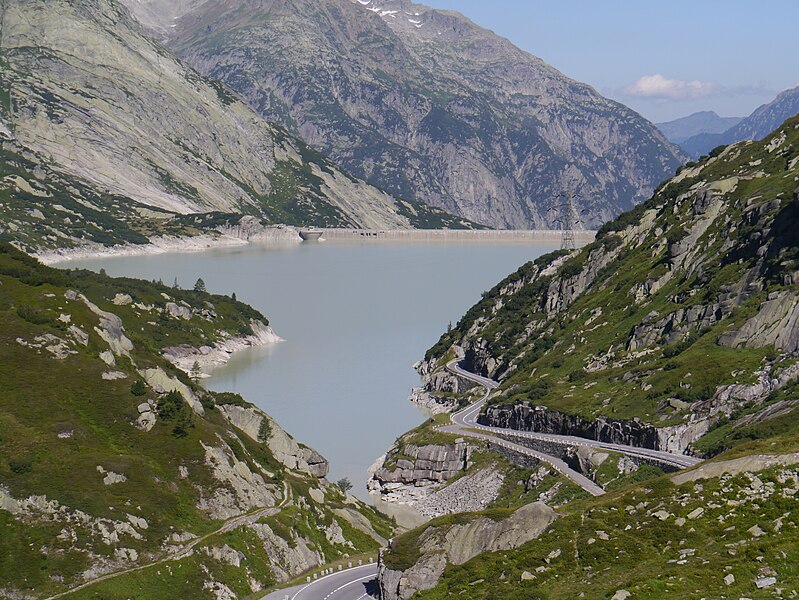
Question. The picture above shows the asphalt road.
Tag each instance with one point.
(467, 418)
(358, 583)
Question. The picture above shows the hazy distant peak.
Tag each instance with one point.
(706, 121)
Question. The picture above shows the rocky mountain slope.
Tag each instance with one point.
(426, 105)
(680, 314)
(707, 121)
(115, 140)
(725, 530)
(112, 459)
(676, 330)
(754, 127)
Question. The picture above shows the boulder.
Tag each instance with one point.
(122, 299)
(162, 383)
(177, 311)
(458, 544)
(282, 446)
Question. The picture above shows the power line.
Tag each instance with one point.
(568, 218)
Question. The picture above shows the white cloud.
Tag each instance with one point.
(658, 86)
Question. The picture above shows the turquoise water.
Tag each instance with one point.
(355, 316)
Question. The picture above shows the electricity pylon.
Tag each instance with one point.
(568, 218)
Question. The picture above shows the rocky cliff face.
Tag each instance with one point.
(440, 545)
(409, 473)
(427, 105)
(141, 139)
(681, 315)
(525, 417)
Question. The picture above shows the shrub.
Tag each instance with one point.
(577, 375)
(224, 398)
(264, 431)
(572, 267)
(717, 150)
(345, 485)
(673, 350)
(697, 395)
(676, 235)
(20, 467)
(138, 388)
(172, 407)
(34, 315)
(538, 390)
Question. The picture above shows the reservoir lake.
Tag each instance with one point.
(356, 316)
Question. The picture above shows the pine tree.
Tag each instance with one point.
(196, 372)
(200, 285)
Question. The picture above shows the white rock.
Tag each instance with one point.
(114, 375)
(756, 531)
(138, 522)
(146, 421)
(80, 336)
(122, 299)
(159, 381)
(695, 514)
(621, 595)
(110, 477)
(764, 582)
(729, 579)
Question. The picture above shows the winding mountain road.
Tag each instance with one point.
(360, 583)
(357, 583)
(465, 423)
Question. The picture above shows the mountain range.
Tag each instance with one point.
(680, 130)
(424, 104)
(754, 127)
(136, 140)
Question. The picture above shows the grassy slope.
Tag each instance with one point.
(615, 542)
(548, 365)
(602, 545)
(42, 397)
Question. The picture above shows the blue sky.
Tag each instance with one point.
(663, 58)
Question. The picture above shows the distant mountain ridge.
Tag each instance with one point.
(138, 140)
(707, 121)
(426, 105)
(754, 127)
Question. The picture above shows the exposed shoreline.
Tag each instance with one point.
(237, 238)
(208, 358)
(162, 245)
(548, 236)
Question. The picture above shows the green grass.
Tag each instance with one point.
(42, 397)
(542, 352)
(641, 553)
